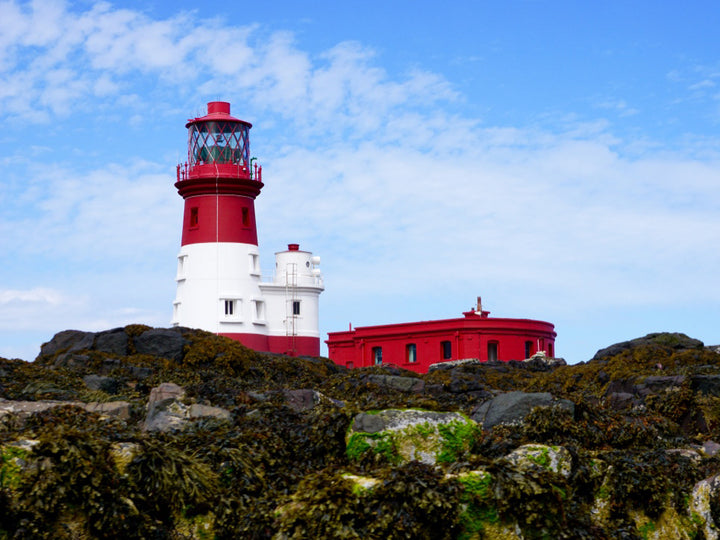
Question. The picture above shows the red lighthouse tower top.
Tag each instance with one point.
(218, 156)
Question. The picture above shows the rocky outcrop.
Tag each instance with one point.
(98, 442)
(675, 341)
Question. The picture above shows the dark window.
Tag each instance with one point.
(194, 216)
(229, 307)
(411, 352)
(492, 350)
(528, 349)
(296, 307)
(246, 217)
(377, 355)
(551, 352)
(446, 350)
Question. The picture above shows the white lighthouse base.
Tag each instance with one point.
(219, 289)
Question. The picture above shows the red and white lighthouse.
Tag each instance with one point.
(219, 284)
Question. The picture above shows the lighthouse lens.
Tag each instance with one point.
(218, 142)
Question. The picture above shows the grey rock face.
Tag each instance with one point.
(163, 342)
(513, 407)
(112, 342)
(69, 341)
(403, 384)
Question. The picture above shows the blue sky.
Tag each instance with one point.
(561, 159)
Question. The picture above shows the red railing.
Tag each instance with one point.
(211, 170)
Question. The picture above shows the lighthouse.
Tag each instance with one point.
(219, 283)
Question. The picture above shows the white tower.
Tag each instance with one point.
(219, 287)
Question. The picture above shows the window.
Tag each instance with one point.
(194, 216)
(411, 353)
(296, 307)
(259, 311)
(182, 264)
(254, 264)
(246, 217)
(229, 307)
(377, 355)
(492, 349)
(551, 352)
(446, 350)
(528, 349)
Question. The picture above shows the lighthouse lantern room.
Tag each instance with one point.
(219, 284)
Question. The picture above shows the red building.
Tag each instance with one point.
(416, 345)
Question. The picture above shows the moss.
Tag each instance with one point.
(11, 460)
(382, 445)
(477, 502)
(457, 437)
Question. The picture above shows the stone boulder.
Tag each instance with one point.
(167, 412)
(403, 435)
(513, 407)
(555, 459)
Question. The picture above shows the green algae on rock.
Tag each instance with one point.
(401, 436)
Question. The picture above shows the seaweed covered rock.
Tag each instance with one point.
(512, 407)
(672, 340)
(401, 436)
(265, 446)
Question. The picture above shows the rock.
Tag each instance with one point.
(676, 341)
(67, 341)
(72, 360)
(541, 362)
(706, 384)
(621, 401)
(162, 342)
(656, 383)
(116, 409)
(462, 382)
(163, 392)
(108, 385)
(113, 341)
(166, 411)
(403, 384)
(451, 364)
(556, 459)
(166, 415)
(511, 407)
(704, 495)
(206, 411)
(403, 435)
(710, 448)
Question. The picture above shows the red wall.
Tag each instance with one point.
(299, 346)
(219, 212)
(469, 338)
